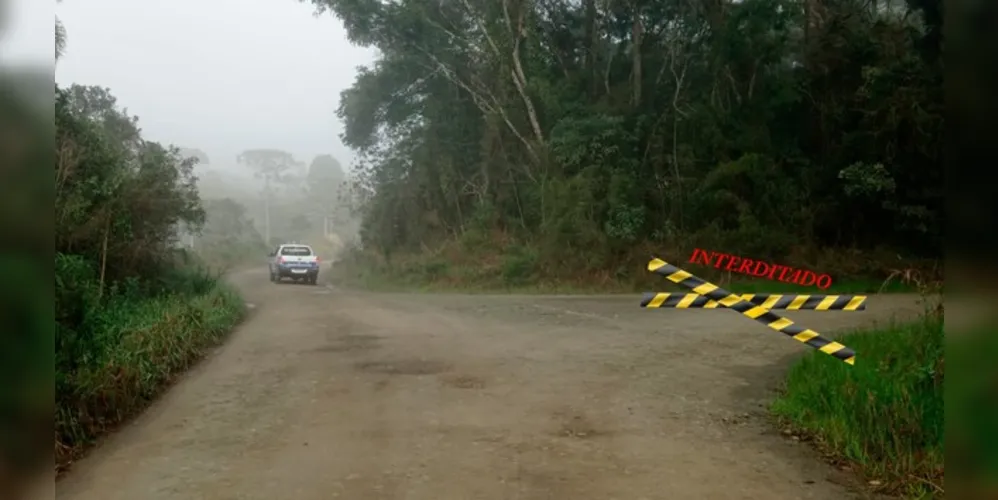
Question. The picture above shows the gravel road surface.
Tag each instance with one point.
(326, 393)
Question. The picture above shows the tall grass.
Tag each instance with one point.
(885, 414)
(116, 349)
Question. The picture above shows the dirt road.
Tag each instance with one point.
(327, 394)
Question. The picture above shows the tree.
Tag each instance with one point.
(226, 219)
(60, 37)
(325, 173)
(274, 167)
(229, 236)
(324, 183)
(98, 105)
(588, 127)
(119, 198)
(271, 165)
(197, 154)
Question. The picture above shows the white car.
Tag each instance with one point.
(295, 261)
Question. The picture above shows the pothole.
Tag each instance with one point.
(348, 343)
(463, 381)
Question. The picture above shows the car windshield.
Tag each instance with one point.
(297, 251)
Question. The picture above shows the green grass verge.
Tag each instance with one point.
(134, 349)
(885, 414)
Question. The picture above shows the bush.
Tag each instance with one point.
(117, 349)
(228, 238)
(518, 265)
(131, 311)
(886, 412)
(435, 269)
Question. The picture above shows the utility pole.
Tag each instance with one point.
(266, 209)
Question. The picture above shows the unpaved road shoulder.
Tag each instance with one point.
(328, 394)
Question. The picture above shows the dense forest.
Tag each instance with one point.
(588, 131)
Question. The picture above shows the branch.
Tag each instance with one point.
(484, 99)
(481, 26)
(679, 78)
(519, 77)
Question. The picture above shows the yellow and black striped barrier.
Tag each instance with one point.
(756, 312)
(767, 300)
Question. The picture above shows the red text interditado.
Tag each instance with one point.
(760, 269)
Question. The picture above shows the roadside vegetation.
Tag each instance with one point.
(132, 308)
(144, 233)
(229, 239)
(885, 415)
(555, 144)
(516, 269)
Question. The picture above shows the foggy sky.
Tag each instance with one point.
(218, 75)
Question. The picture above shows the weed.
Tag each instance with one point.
(518, 265)
(885, 413)
(116, 350)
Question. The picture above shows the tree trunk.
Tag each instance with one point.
(519, 77)
(592, 41)
(266, 210)
(637, 80)
(103, 259)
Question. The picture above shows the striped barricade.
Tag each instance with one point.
(764, 315)
(767, 300)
